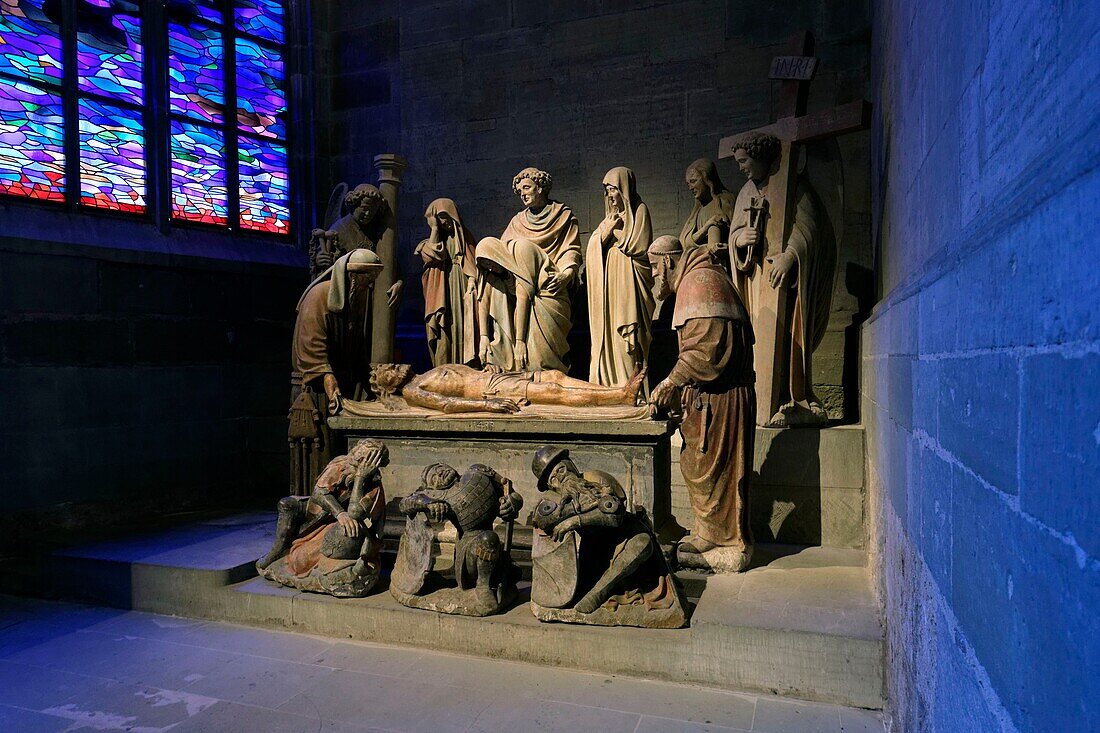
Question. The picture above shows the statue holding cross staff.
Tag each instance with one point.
(782, 253)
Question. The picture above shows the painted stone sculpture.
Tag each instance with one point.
(449, 279)
(527, 279)
(713, 383)
(331, 542)
(620, 283)
(484, 574)
(457, 388)
(594, 561)
(708, 223)
(330, 353)
(806, 265)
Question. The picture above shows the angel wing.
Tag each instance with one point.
(335, 208)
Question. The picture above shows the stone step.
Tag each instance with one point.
(802, 623)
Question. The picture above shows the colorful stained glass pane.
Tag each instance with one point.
(261, 102)
(261, 18)
(112, 157)
(198, 174)
(264, 186)
(30, 40)
(108, 49)
(196, 77)
(190, 11)
(32, 155)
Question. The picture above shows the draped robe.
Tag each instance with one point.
(815, 251)
(534, 248)
(529, 270)
(620, 287)
(715, 372)
(450, 313)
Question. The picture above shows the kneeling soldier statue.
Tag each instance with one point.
(594, 561)
(484, 576)
(331, 541)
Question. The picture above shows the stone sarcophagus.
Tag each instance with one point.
(636, 451)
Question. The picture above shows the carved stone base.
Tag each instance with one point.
(794, 415)
(346, 581)
(442, 596)
(624, 615)
(718, 560)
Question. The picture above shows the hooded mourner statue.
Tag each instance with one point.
(593, 560)
(713, 381)
(331, 359)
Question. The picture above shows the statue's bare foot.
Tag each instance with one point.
(696, 544)
(633, 387)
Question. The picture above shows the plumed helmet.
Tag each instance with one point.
(545, 459)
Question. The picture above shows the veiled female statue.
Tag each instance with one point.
(620, 283)
(449, 279)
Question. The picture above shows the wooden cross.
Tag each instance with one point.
(793, 127)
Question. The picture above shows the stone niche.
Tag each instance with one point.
(636, 452)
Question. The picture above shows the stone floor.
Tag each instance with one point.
(71, 668)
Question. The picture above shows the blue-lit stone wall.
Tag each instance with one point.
(981, 363)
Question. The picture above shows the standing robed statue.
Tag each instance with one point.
(620, 283)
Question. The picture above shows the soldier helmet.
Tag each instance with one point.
(545, 459)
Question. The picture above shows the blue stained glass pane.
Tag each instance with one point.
(261, 18)
(195, 71)
(264, 186)
(112, 157)
(198, 174)
(185, 12)
(30, 40)
(261, 102)
(109, 54)
(32, 155)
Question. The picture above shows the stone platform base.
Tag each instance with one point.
(803, 622)
(634, 451)
(672, 618)
(718, 560)
(454, 601)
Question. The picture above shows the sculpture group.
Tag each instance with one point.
(497, 318)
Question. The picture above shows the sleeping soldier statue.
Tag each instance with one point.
(331, 541)
(484, 575)
(594, 560)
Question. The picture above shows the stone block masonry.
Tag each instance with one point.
(981, 364)
(137, 384)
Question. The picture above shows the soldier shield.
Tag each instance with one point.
(555, 570)
(414, 555)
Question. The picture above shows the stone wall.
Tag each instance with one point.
(472, 91)
(981, 364)
(138, 378)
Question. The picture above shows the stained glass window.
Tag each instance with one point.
(264, 186)
(112, 160)
(261, 18)
(31, 46)
(32, 154)
(196, 74)
(198, 174)
(109, 52)
(75, 112)
(261, 102)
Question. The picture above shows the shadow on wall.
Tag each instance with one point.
(785, 500)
